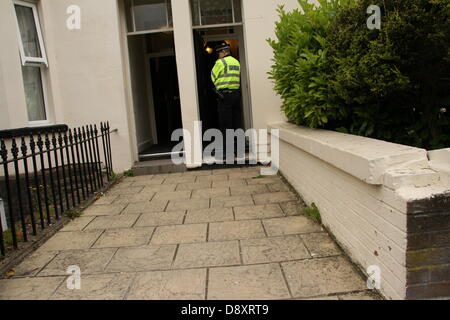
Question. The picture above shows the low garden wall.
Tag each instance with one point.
(388, 205)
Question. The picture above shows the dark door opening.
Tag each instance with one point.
(166, 102)
(166, 98)
(205, 60)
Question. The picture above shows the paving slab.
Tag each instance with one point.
(273, 197)
(174, 195)
(316, 277)
(125, 191)
(146, 258)
(278, 187)
(273, 250)
(169, 285)
(229, 202)
(97, 287)
(290, 225)
(215, 234)
(214, 177)
(248, 190)
(73, 240)
(89, 261)
(150, 182)
(258, 212)
(229, 183)
(210, 193)
(106, 199)
(235, 230)
(259, 282)
(78, 224)
(116, 238)
(292, 208)
(29, 288)
(243, 175)
(146, 207)
(34, 263)
(320, 245)
(367, 295)
(190, 233)
(104, 210)
(193, 186)
(156, 219)
(197, 173)
(131, 198)
(209, 215)
(264, 180)
(159, 188)
(192, 204)
(209, 254)
(176, 180)
(113, 222)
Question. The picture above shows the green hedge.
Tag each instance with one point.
(392, 84)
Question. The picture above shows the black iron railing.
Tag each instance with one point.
(48, 171)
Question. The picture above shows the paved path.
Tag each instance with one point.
(224, 234)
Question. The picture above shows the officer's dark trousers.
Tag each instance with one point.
(229, 111)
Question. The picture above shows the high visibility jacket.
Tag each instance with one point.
(226, 73)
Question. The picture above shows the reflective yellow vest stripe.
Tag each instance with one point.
(226, 74)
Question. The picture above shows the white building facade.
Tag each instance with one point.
(142, 65)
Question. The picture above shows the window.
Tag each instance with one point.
(34, 60)
(148, 15)
(31, 44)
(212, 12)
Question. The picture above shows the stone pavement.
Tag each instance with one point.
(217, 234)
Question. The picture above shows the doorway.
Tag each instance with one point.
(205, 42)
(155, 90)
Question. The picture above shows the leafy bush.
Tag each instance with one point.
(393, 84)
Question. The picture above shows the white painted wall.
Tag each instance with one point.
(362, 192)
(259, 25)
(13, 110)
(187, 77)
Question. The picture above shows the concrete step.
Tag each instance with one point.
(156, 167)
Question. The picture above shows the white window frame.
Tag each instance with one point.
(34, 61)
(133, 32)
(47, 121)
(204, 26)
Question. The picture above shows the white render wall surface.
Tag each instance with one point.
(338, 172)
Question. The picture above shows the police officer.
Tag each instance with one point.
(226, 76)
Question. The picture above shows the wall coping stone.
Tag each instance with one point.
(364, 158)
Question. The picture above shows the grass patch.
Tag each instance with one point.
(113, 176)
(313, 213)
(128, 173)
(72, 214)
